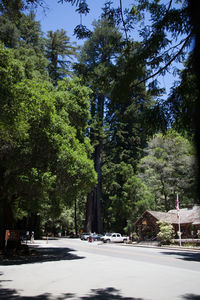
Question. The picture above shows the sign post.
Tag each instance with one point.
(7, 237)
(12, 235)
(179, 219)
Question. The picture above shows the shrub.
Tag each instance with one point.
(135, 237)
(166, 234)
(198, 234)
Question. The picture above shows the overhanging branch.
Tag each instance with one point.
(169, 62)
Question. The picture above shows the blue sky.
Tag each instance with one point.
(64, 16)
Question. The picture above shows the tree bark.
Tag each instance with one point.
(89, 212)
(93, 215)
(75, 217)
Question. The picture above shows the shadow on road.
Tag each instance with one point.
(40, 255)
(191, 297)
(95, 294)
(188, 256)
(106, 294)
(9, 294)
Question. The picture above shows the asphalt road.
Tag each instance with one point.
(75, 269)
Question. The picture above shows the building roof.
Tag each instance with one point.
(187, 216)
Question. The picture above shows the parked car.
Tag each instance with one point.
(94, 237)
(85, 236)
(114, 238)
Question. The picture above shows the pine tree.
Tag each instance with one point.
(59, 52)
(128, 130)
(97, 62)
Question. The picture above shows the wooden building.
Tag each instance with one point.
(147, 227)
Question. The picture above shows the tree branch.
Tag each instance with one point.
(167, 51)
(72, 1)
(169, 62)
(123, 22)
(170, 3)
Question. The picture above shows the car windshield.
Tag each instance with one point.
(108, 234)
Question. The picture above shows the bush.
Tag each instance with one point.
(166, 234)
(135, 237)
(198, 234)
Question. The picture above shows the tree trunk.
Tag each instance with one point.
(97, 223)
(75, 217)
(93, 215)
(166, 203)
(89, 212)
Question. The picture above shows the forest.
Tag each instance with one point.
(88, 142)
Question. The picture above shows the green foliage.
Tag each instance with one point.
(44, 156)
(11, 72)
(52, 222)
(168, 168)
(73, 98)
(24, 32)
(166, 233)
(58, 52)
(30, 31)
(181, 102)
(9, 33)
(167, 22)
(81, 32)
(125, 197)
(119, 124)
(97, 61)
(135, 236)
(34, 63)
(100, 52)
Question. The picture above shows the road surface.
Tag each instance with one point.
(75, 269)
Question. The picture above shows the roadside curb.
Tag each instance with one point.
(42, 243)
(165, 247)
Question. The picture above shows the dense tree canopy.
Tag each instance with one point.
(98, 140)
(180, 106)
(169, 168)
(44, 154)
(96, 66)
